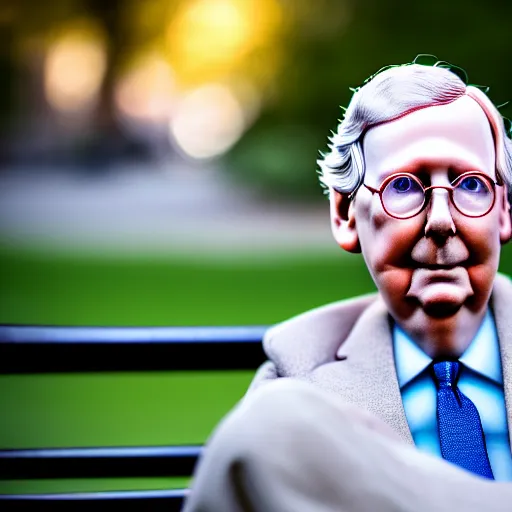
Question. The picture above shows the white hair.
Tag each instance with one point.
(390, 95)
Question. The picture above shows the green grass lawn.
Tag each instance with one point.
(73, 290)
(145, 409)
(148, 409)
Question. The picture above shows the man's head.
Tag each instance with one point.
(433, 261)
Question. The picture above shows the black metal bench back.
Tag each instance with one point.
(44, 349)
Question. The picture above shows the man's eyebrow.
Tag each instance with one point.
(421, 166)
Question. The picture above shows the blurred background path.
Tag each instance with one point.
(171, 208)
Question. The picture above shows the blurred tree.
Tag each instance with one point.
(109, 141)
(22, 24)
(7, 79)
(300, 57)
(31, 29)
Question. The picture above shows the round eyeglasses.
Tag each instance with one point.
(403, 195)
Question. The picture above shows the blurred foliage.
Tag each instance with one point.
(333, 45)
(302, 57)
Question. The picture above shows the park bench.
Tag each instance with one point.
(42, 349)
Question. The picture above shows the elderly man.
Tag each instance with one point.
(400, 400)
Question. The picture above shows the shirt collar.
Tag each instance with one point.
(482, 355)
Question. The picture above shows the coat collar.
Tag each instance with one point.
(501, 305)
(366, 364)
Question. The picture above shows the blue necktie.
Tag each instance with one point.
(460, 429)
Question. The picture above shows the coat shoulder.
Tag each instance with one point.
(298, 345)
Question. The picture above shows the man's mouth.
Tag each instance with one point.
(435, 266)
(440, 274)
(441, 290)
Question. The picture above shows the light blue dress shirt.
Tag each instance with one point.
(481, 380)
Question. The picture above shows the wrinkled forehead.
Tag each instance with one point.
(455, 135)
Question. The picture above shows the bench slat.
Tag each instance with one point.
(41, 349)
(150, 461)
(45, 349)
(169, 500)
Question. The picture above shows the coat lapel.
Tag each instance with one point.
(364, 373)
(502, 307)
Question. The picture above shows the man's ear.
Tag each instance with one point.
(505, 217)
(343, 222)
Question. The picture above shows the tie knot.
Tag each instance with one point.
(446, 373)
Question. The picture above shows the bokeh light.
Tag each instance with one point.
(146, 91)
(208, 121)
(74, 69)
(209, 39)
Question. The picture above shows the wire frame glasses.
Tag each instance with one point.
(403, 195)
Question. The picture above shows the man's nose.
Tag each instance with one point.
(439, 216)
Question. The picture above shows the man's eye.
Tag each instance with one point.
(403, 184)
(472, 184)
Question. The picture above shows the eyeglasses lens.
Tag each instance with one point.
(473, 195)
(404, 197)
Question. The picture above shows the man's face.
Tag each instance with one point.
(435, 270)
